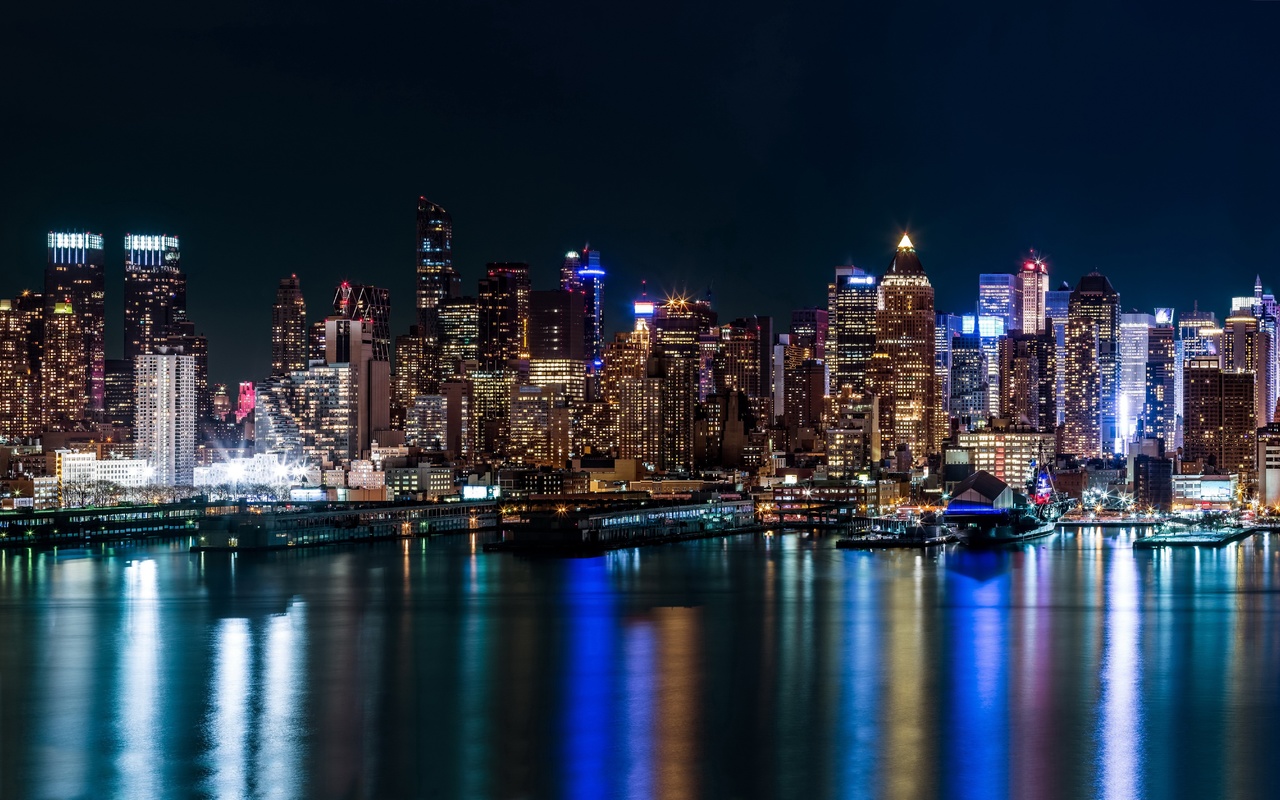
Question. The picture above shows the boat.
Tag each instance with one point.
(988, 513)
(891, 533)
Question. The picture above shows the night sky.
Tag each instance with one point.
(747, 146)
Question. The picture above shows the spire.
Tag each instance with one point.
(905, 260)
(906, 244)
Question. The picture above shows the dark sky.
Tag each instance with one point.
(748, 146)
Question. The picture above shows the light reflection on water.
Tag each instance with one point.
(744, 667)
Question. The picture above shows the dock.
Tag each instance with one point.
(276, 529)
(570, 533)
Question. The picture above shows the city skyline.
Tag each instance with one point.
(543, 275)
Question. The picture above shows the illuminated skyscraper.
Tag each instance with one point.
(155, 292)
(503, 313)
(991, 331)
(539, 426)
(414, 373)
(851, 331)
(1033, 285)
(1094, 300)
(1160, 415)
(1220, 420)
(19, 415)
(1056, 303)
(998, 296)
(809, 330)
(740, 363)
(164, 429)
(349, 343)
(119, 393)
(591, 281)
(437, 279)
(969, 387)
(946, 329)
(678, 328)
(909, 407)
(569, 272)
(1245, 346)
(62, 381)
(1131, 390)
(372, 305)
(459, 333)
(1081, 427)
(75, 275)
(289, 328)
(1028, 385)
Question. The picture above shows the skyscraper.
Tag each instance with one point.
(1056, 303)
(569, 272)
(18, 410)
(437, 279)
(62, 381)
(1160, 414)
(520, 284)
(1095, 301)
(998, 296)
(75, 275)
(591, 281)
(809, 330)
(905, 333)
(851, 333)
(1033, 285)
(164, 428)
(969, 387)
(1246, 346)
(459, 333)
(155, 292)
(289, 328)
(1081, 426)
(371, 304)
(501, 326)
(1221, 421)
(1131, 391)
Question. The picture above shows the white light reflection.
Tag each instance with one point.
(139, 759)
(1121, 747)
(226, 726)
(279, 753)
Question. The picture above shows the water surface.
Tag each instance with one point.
(752, 666)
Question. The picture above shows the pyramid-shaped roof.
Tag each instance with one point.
(905, 261)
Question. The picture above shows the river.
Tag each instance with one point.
(748, 666)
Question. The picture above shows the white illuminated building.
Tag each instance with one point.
(1132, 393)
(262, 469)
(165, 416)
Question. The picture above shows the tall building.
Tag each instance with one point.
(349, 343)
(503, 308)
(1160, 415)
(63, 398)
(909, 407)
(1096, 302)
(1131, 390)
(1082, 418)
(414, 374)
(19, 414)
(998, 296)
(991, 331)
(74, 275)
(437, 279)
(947, 328)
(809, 330)
(676, 362)
(288, 328)
(1246, 346)
(1220, 417)
(1056, 304)
(459, 334)
(371, 305)
(555, 325)
(853, 299)
(155, 292)
(569, 272)
(539, 426)
(742, 358)
(969, 387)
(164, 428)
(120, 388)
(1032, 287)
(1028, 384)
(591, 284)
(1268, 465)
(853, 437)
